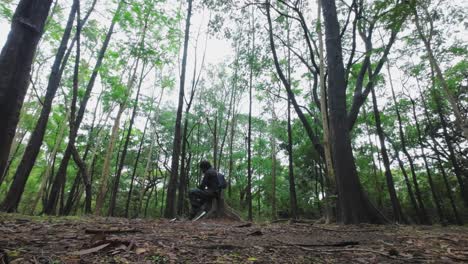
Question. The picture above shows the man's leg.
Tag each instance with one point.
(196, 201)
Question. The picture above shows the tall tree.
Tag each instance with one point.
(419, 207)
(354, 205)
(171, 204)
(60, 176)
(396, 206)
(331, 186)
(15, 65)
(15, 192)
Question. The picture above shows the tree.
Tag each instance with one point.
(15, 65)
(171, 204)
(29, 157)
(354, 206)
(60, 177)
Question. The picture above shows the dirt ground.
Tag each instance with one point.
(26, 239)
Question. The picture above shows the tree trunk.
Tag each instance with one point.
(171, 204)
(292, 183)
(456, 167)
(396, 207)
(273, 162)
(107, 160)
(419, 207)
(378, 190)
(353, 205)
(458, 219)
(12, 199)
(183, 176)
(115, 189)
(330, 204)
(135, 166)
(249, 133)
(60, 177)
(15, 65)
(49, 168)
(435, 196)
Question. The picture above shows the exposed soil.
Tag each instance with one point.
(116, 240)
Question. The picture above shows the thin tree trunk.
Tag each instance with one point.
(51, 159)
(456, 167)
(135, 166)
(60, 178)
(419, 208)
(292, 184)
(435, 196)
(116, 184)
(273, 163)
(249, 133)
(16, 58)
(374, 167)
(107, 160)
(330, 204)
(171, 204)
(414, 204)
(396, 206)
(458, 219)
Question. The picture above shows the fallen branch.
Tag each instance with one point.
(244, 225)
(337, 244)
(111, 231)
(219, 246)
(345, 230)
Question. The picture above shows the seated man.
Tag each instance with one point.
(208, 189)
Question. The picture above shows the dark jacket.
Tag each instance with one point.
(210, 180)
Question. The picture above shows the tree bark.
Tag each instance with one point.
(16, 58)
(171, 204)
(353, 204)
(12, 199)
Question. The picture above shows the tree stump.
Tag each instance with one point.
(218, 208)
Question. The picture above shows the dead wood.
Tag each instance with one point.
(337, 244)
(244, 225)
(111, 231)
(218, 246)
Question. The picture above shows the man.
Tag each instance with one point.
(208, 189)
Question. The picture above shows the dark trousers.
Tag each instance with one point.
(199, 197)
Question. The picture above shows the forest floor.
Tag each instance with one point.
(25, 239)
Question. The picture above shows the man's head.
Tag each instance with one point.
(204, 165)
